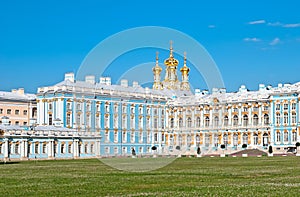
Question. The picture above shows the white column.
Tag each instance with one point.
(6, 148)
(97, 148)
(23, 149)
(50, 149)
(75, 148)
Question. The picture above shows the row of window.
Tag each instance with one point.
(126, 150)
(107, 108)
(285, 106)
(17, 111)
(133, 137)
(285, 120)
(216, 122)
(35, 148)
(225, 139)
(285, 137)
(16, 123)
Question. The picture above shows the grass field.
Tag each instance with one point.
(276, 176)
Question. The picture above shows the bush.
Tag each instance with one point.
(270, 149)
(223, 146)
(198, 151)
(177, 148)
(244, 146)
(154, 148)
(297, 144)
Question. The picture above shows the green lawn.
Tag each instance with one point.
(277, 176)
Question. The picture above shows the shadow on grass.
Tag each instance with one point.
(8, 162)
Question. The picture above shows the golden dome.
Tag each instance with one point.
(171, 61)
(184, 69)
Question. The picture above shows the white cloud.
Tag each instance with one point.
(211, 26)
(252, 40)
(291, 25)
(257, 22)
(275, 41)
(275, 24)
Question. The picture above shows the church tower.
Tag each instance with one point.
(185, 75)
(157, 85)
(171, 80)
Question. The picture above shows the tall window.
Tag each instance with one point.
(50, 119)
(278, 136)
(294, 120)
(216, 121)
(235, 120)
(172, 122)
(44, 148)
(155, 123)
(206, 121)
(68, 119)
(285, 118)
(245, 120)
(198, 122)
(293, 106)
(255, 120)
(206, 139)
(277, 107)
(225, 139)
(266, 119)
(62, 148)
(36, 148)
(197, 139)
(162, 123)
(16, 148)
(245, 138)
(189, 122)
(278, 118)
(226, 121)
(286, 136)
(180, 122)
(294, 136)
(285, 106)
(235, 140)
(216, 140)
(255, 139)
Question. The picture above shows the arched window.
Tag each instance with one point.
(225, 139)
(255, 120)
(278, 118)
(294, 120)
(245, 120)
(235, 120)
(197, 139)
(245, 138)
(198, 122)
(285, 118)
(235, 140)
(206, 121)
(172, 122)
(266, 119)
(180, 122)
(189, 122)
(255, 139)
(278, 137)
(265, 139)
(226, 121)
(216, 121)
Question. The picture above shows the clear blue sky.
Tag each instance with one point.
(251, 42)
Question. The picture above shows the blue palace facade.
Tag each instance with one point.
(91, 118)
